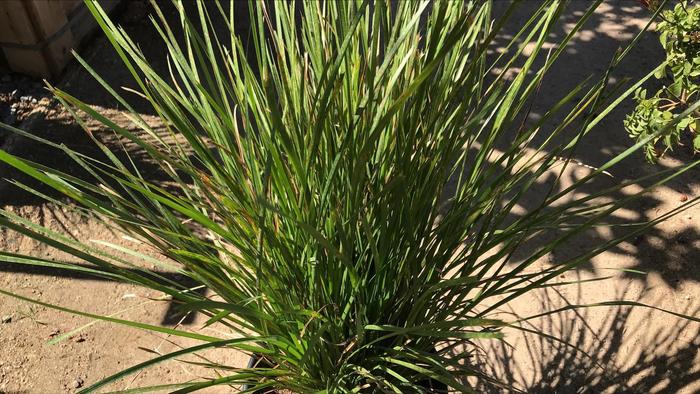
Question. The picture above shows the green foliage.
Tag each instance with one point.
(647, 119)
(343, 184)
(679, 33)
(680, 37)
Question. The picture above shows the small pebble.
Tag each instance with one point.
(6, 319)
(34, 101)
(78, 383)
(684, 198)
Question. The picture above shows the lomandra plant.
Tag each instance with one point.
(342, 185)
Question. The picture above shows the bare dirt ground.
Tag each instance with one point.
(625, 350)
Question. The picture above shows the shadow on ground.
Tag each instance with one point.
(589, 356)
(45, 118)
(669, 254)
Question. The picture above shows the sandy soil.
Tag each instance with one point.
(627, 350)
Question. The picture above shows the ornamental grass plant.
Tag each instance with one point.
(340, 179)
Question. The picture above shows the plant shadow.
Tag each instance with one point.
(592, 353)
(46, 119)
(670, 249)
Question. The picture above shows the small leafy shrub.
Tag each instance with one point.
(679, 33)
(345, 185)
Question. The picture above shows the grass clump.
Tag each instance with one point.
(342, 179)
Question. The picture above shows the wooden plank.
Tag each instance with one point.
(48, 17)
(17, 28)
(69, 6)
(28, 61)
(36, 36)
(15, 23)
(52, 25)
